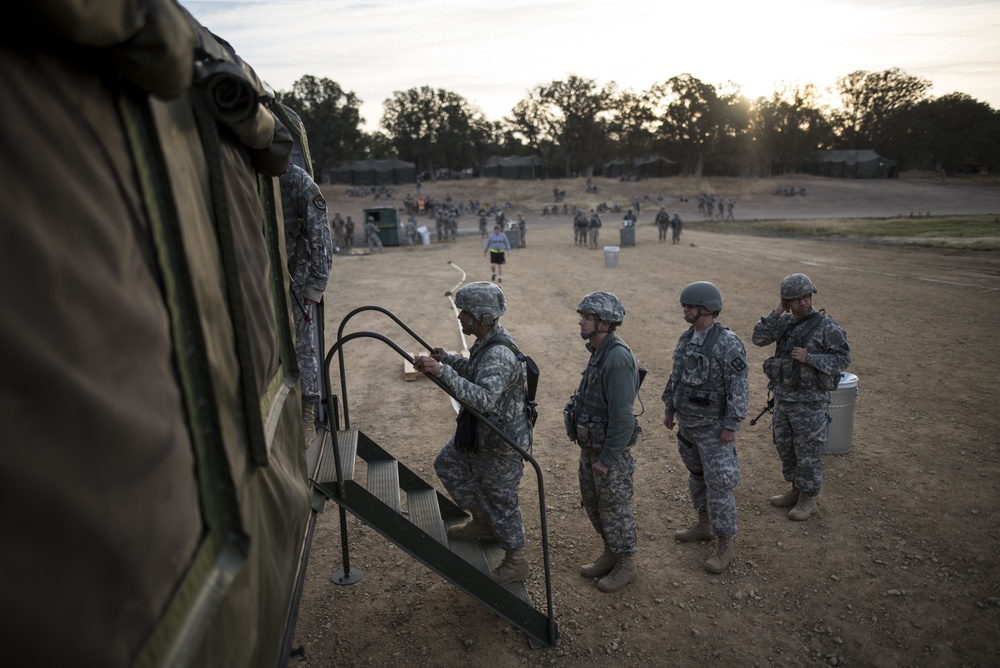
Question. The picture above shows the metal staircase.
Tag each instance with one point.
(409, 512)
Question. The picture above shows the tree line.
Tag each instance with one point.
(576, 125)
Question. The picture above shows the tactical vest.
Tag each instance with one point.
(590, 409)
(520, 430)
(698, 392)
(782, 370)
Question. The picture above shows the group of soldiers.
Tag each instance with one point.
(665, 223)
(343, 232)
(586, 229)
(723, 209)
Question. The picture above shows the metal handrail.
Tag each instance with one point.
(338, 348)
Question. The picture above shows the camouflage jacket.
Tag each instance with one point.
(708, 382)
(307, 233)
(493, 383)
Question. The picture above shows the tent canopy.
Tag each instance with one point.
(648, 166)
(513, 167)
(860, 164)
(375, 172)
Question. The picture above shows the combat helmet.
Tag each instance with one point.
(604, 305)
(796, 285)
(485, 301)
(702, 293)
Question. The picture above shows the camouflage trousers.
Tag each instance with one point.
(488, 479)
(799, 429)
(607, 499)
(714, 473)
(594, 236)
(305, 348)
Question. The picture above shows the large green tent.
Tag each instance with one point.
(375, 172)
(513, 167)
(864, 164)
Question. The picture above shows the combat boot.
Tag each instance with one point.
(719, 561)
(701, 530)
(804, 509)
(623, 573)
(477, 527)
(786, 500)
(309, 423)
(603, 565)
(513, 568)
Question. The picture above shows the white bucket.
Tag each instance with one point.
(611, 256)
(838, 435)
(425, 235)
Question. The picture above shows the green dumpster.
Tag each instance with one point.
(387, 220)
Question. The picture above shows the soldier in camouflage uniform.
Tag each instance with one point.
(594, 227)
(706, 397)
(310, 254)
(599, 419)
(492, 381)
(662, 223)
(810, 354)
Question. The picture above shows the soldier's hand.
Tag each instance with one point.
(799, 354)
(727, 436)
(428, 365)
(439, 354)
(668, 421)
(600, 468)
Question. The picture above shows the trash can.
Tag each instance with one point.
(611, 256)
(838, 435)
(514, 237)
(425, 235)
(628, 236)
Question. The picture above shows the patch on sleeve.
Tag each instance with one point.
(319, 202)
(738, 364)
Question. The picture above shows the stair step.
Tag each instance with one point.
(383, 482)
(424, 511)
(347, 444)
(485, 556)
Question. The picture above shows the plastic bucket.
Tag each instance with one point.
(425, 235)
(838, 435)
(611, 256)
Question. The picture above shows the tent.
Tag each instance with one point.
(648, 166)
(513, 167)
(864, 164)
(375, 172)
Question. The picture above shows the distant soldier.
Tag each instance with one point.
(348, 233)
(482, 223)
(411, 231)
(371, 232)
(676, 224)
(594, 227)
(452, 222)
(580, 228)
(729, 208)
(522, 227)
(662, 223)
(338, 231)
(722, 208)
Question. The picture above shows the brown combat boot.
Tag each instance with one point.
(601, 566)
(786, 500)
(804, 509)
(513, 568)
(701, 530)
(623, 573)
(309, 423)
(478, 527)
(719, 561)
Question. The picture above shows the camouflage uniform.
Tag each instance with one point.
(662, 223)
(595, 229)
(411, 231)
(706, 393)
(372, 237)
(493, 383)
(802, 391)
(599, 418)
(349, 233)
(310, 254)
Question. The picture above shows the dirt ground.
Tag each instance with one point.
(900, 565)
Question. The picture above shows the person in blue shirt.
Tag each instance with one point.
(497, 245)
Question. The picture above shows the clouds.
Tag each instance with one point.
(493, 52)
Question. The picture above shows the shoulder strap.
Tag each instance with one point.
(532, 368)
(809, 318)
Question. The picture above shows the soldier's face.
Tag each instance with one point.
(801, 306)
(589, 325)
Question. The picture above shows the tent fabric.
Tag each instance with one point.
(148, 529)
(513, 167)
(860, 164)
(648, 166)
(375, 172)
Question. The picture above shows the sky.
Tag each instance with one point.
(493, 52)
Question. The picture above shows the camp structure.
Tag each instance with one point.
(646, 167)
(374, 172)
(862, 164)
(513, 167)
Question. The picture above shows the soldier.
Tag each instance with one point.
(580, 228)
(338, 231)
(411, 230)
(729, 208)
(706, 397)
(594, 226)
(522, 226)
(810, 354)
(349, 233)
(372, 237)
(600, 420)
(483, 476)
(662, 223)
(676, 224)
(482, 222)
(310, 254)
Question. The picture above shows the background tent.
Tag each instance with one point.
(513, 167)
(850, 164)
(375, 172)
(648, 166)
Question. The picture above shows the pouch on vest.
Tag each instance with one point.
(465, 431)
